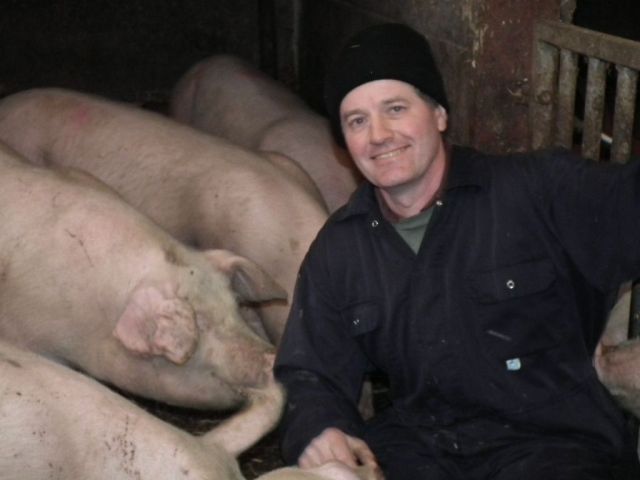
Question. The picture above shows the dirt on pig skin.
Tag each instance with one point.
(264, 456)
(261, 458)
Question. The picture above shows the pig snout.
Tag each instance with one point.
(250, 367)
(239, 357)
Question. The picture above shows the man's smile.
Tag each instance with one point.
(390, 154)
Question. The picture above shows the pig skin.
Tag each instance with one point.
(87, 280)
(328, 471)
(56, 423)
(226, 96)
(59, 424)
(617, 358)
(203, 190)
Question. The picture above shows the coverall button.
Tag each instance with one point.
(356, 321)
(374, 223)
(439, 203)
(511, 284)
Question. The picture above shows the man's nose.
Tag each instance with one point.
(380, 130)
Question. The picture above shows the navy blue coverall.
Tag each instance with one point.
(486, 335)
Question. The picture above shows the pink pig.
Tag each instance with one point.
(203, 190)
(59, 424)
(92, 283)
(226, 96)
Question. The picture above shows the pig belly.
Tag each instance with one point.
(226, 96)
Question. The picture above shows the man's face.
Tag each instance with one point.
(393, 134)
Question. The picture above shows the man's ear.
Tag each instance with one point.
(442, 118)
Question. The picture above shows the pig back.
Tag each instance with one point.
(58, 241)
(226, 96)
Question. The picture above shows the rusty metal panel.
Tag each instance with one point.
(626, 89)
(594, 108)
(566, 98)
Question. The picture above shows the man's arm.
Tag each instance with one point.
(320, 366)
(313, 407)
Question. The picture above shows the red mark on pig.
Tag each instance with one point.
(80, 117)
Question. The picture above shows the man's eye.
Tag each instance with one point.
(355, 122)
(397, 108)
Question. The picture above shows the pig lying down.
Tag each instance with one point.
(201, 189)
(87, 280)
(226, 96)
(59, 424)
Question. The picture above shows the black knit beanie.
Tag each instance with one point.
(389, 51)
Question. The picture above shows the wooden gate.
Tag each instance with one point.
(560, 49)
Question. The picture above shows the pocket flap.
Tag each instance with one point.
(512, 282)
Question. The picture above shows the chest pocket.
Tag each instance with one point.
(517, 312)
(512, 282)
(522, 332)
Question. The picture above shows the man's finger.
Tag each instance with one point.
(362, 452)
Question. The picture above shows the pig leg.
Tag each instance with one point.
(262, 412)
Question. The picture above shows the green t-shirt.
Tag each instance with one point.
(412, 229)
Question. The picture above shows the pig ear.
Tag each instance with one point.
(249, 281)
(153, 324)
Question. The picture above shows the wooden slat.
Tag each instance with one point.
(594, 109)
(624, 111)
(566, 98)
(544, 90)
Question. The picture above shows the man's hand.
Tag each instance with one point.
(334, 445)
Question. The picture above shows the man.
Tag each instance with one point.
(479, 284)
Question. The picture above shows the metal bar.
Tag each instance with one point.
(620, 51)
(566, 98)
(541, 108)
(594, 109)
(624, 111)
